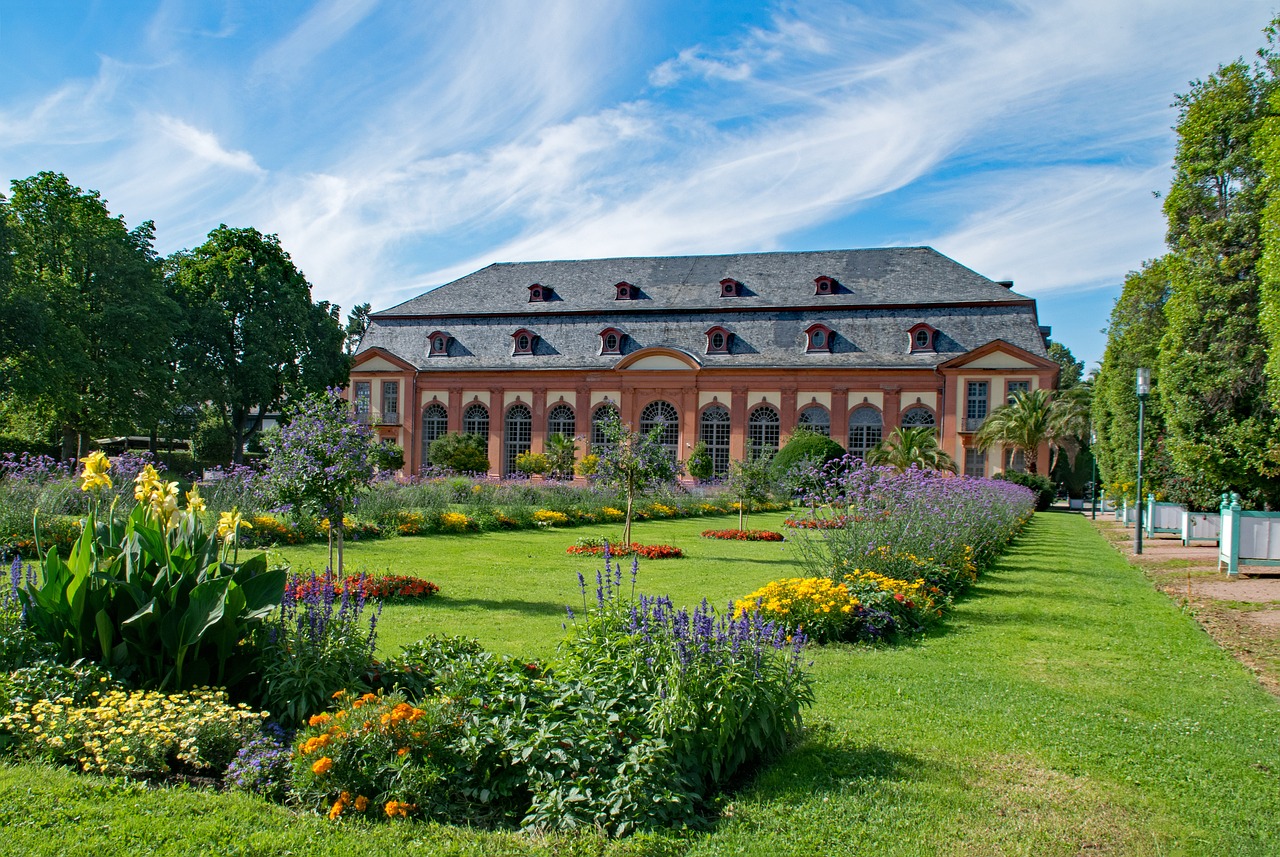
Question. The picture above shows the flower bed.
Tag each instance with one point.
(743, 535)
(635, 548)
(835, 522)
(382, 586)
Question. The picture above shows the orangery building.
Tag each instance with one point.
(736, 351)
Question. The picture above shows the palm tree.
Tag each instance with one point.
(914, 446)
(1035, 418)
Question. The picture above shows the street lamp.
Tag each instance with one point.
(1144, 390)
(1093, 495)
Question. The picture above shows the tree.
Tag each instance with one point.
(912, 446)
(633, 463)
(1072, 369)
(1213, 354)
(1027, 422)
(751, 481)
(253, 338)
(320, 459)
(357, 324)
(461, 453)
(700, 464)
(561, 452)
(90, 315)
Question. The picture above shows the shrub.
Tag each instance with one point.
(533, 462)
(461, 453)
(212, 442)
(804, 448)
(1045, 490)
(700, 464)
(387, 456)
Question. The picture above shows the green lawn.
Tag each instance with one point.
(1065, 708)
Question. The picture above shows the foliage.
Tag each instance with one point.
(134, 732)
(743, 535)
(387, 457)
(911, 446)
(461, 453)
(321, 642)
(263, 766)
(252, 337)
(561, 451)
(804, 448)
(1037, 417)
(212, 442)
(750, 481)
(153, 594)
(1042, 485)
(1072, 371)
(636, 464)
(530, 463)
(700, 464)
(319, 460)
(588, 466)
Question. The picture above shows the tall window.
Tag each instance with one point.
(435, 422)
(865, 430)
(1015, 460)
(713, 430)
(364, 400)
(391, 402)
(560, 420)
(475, 420)
(975, 409)
(517, 437)
(1013, 388)
(816, 419)
(664, 414)
(598, 418)
(762, 431)
(975, 462)
(918, 416)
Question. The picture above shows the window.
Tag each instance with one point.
(816, 419)
(762, 431)
(364, 401)
(713, 430)
(918, 416)
(1015, 460)
(865, 430)
(560, 420)
(730, 288)
(1012, 388)
(435, 423)
(391, 403)
(475, 420)
(825, 286)
(439, 344)
(517, 436)
(921, 337)
(611, 341)
(819, 338)
(717, 341)
(524, 341)
(975, 409)
(663, 414)
(626, 292)
(598, 418)
(975, 462)
(539, 293)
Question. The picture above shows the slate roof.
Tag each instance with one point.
(883, 292)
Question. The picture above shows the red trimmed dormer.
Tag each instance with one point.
(438, 344)
(825, 285)
(523, 341)
(819, 339)
(730, 288)
(921, 338)
(611, 340)
(626, 292)
(539, 293)
(718, 339)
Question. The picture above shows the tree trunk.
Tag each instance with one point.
(237, 436)
(340, 516)
(626, 529)
(68, 443)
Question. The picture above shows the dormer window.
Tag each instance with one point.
(922, 338)
(611, 341)
(524, 341)
(730, 288)
(626, 292)
(539, 293)
(438, 344)
(825, 286)
(718, 340)
(819, 338)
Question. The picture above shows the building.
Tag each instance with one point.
(735, 350)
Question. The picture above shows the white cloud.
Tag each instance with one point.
(205, 146)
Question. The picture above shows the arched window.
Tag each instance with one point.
(918, 416)
(762, 431)
(663, 414)
(816, 419)
(475, 420)
(517, 436)
(865, 430)
(718, 340)
(598, 417)
(560, 420)
(435, 422)
(713, 430)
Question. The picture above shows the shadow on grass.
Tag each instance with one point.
(533, 608)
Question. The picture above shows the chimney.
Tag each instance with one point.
(1008, 284)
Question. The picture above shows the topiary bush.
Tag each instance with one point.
(805, 446)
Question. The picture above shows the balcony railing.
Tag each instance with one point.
(972, 424)
(389, 418)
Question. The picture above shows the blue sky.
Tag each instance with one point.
(394, 146)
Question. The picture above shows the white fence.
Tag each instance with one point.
(1248, 538)
(1163, 517)
(1201, 527)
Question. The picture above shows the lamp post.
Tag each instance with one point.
(1093, 495)
(1144, 390)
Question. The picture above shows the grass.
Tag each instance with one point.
(1065, 708)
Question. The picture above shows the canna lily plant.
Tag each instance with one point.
(154, 594)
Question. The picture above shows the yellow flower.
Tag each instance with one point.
(398, 808)
(362, 803)
(322, 766)
(195, 503)
(96, 464)
(229, 523)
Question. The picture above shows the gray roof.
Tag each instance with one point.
(882, 294)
